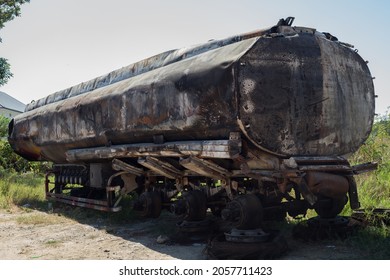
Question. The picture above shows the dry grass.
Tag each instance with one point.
(40, 219)
(53, 243)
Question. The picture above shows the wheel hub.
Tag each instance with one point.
(247, 236)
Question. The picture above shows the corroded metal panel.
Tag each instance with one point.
(302, 94)
(191, 99)
(290, 91)
(143, 66)
(223, 149)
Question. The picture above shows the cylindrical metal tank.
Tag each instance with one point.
(291, 91)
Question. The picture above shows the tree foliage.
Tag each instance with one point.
(9, 9)
(5, 71)
(376, 147)
(10, 161)
(3, 126)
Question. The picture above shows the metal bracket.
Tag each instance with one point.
(119, 165)
(304, 190)
(205, 168)
(161, 167)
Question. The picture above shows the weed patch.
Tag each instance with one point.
(374, 242)
(39, 219)
(22, 189)
(53, 243)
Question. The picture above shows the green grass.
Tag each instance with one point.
(21, 189)
(374, 187)
(374, 192)
(372, 241)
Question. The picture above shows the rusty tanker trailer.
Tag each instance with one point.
(250, 127)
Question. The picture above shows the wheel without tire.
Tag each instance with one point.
(196, 207)
(219, 248)
(245, 211)
(151, 204)
(216, 210)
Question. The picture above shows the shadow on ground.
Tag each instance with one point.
(163, 235)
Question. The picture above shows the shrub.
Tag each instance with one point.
(374, 187)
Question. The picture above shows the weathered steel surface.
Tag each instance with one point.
(160, 167)
(190, 99)
(205, 168)
(329, 185)
(290, 91)
(141, 67)
(305, 95)
(205, 149)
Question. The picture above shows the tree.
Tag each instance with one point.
(5, 71)
(10, 161)
(9, 9)
(3, 126)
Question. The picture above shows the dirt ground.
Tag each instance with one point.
(34, 234)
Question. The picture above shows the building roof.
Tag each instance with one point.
(11, 103)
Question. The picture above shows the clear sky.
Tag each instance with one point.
(56, 44)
